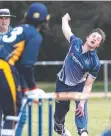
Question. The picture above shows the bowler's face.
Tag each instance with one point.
(94, 40)
(4, 22)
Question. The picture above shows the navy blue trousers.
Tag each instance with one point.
(10, 93)
(62, 107)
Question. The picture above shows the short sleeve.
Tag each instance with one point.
(75, 41)
(73, 37)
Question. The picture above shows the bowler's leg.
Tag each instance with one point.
(61, 109)
(81, 122)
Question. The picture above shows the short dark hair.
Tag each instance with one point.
(101, 32)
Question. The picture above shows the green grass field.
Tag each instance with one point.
(99, 118)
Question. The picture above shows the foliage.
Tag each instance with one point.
(85, 16)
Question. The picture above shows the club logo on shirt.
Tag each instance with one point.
(77, 49)
(86, 61)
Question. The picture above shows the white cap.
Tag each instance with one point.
(5, 13)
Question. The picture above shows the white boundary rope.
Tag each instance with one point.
(58, 96)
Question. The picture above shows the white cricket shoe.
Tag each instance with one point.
(84, 134)
(66, 133)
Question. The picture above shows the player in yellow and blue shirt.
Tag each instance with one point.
(80, 69)
(29, 57)
(19, 49)
(5, 27)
